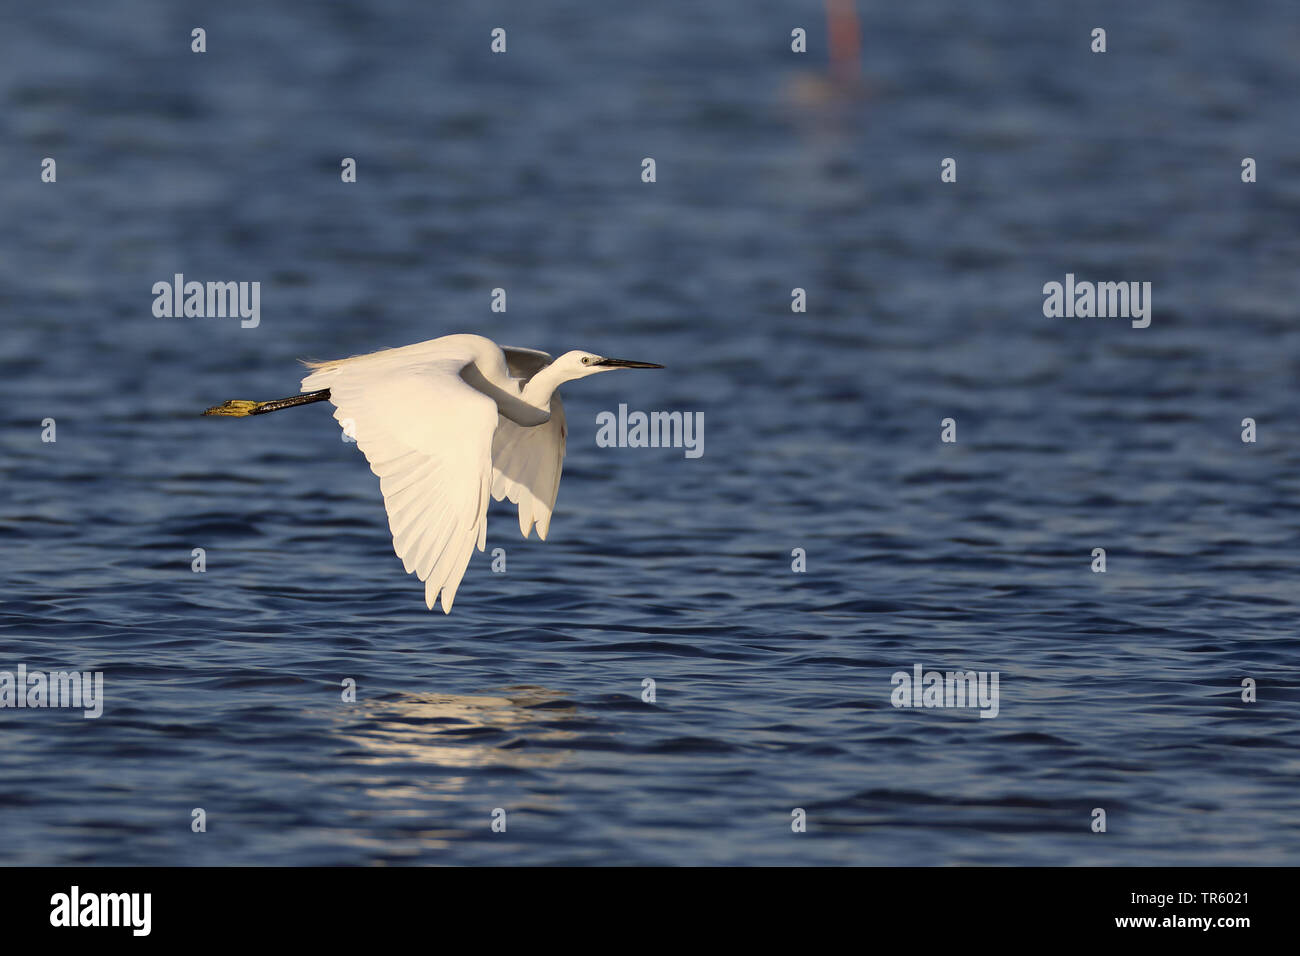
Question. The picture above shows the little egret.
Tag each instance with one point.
(445, 423)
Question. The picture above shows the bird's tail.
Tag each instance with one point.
(243, 407)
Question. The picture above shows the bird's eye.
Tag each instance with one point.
(586, 360)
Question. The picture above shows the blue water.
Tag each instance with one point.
(1119, 691)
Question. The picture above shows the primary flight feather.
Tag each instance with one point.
(445, 424)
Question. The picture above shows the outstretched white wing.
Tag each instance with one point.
(428, 436)
(526, 462)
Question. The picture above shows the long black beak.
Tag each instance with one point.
(625, 363)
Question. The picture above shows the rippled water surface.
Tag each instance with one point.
(1119, 690)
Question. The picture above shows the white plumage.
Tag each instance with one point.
(445, 424)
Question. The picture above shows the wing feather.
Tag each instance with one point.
(428, 435)
(523, 364)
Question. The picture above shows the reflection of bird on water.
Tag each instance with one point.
(447, 729)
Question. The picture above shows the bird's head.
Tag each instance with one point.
(579, 364)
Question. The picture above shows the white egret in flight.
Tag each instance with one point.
(445, 423)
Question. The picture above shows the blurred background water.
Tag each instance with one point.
(522, 171)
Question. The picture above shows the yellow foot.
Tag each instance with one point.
(237, 407)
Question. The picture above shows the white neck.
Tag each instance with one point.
(542, 386)
(530, 407)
